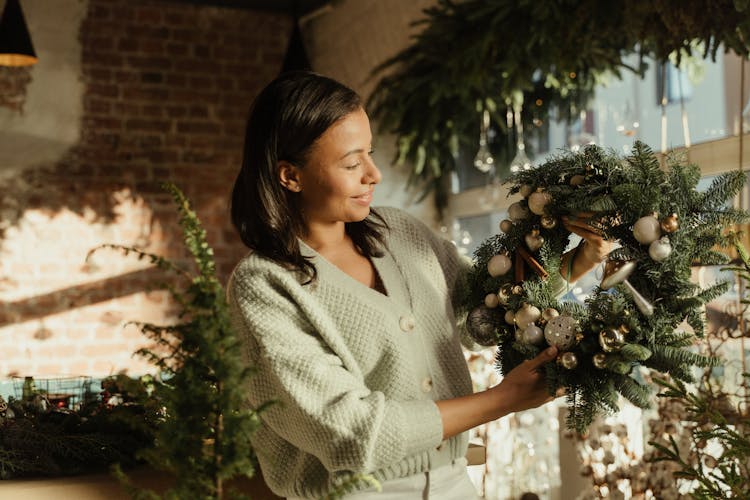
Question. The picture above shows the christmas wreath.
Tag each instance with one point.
(642, 312)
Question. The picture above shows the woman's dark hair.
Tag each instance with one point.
(286, 119)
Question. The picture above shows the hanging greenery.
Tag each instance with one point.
(663, 225)
(547, 54)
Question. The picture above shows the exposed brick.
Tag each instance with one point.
(198, 128)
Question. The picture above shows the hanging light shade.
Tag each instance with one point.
(16, 48)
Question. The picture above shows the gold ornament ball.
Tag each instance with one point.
(548, 222)
(503, 294)
(534, 240)
(549, 313)
(670, 224)
(599, 360)
(510, 317)
(516, 290)
(569, 360)
(611, 339)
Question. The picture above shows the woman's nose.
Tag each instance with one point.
(372, 175)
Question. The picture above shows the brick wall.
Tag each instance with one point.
(167, 88)
(13, 83)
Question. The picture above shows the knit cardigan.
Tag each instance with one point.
(354, 373)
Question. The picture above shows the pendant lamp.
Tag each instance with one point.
(16, 48)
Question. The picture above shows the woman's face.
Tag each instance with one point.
(338, 180)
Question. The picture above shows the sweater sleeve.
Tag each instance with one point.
(321, 406)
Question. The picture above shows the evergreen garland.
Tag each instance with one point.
(617, 193)
(550, 55)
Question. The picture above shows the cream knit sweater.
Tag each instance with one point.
(355, 373)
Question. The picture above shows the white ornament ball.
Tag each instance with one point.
(510, 317)
(527, 315)
(506, 225)
(526, 190)
(647, 229)
(538, 201)
(660, 249)
(517, 212)
(498, 265)
(491, 301)
(532, 335)
(561, 332)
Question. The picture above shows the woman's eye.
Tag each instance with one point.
(352, 167)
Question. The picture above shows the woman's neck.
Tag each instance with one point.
(324, 237)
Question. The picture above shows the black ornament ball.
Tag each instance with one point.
(485, 325)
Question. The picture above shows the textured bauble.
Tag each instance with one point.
(669, 224)
(526, 190)
(569, 360)
(647, 229)
(577, 180)
(532, 335)
(660, 249)
(506, 225)
(538, 201)
(510, 317)
(548, 222)
(498, 265)
(534, 240)
(611, 339)
(491, 300)
(599, 360)
(517, 212)
(549, 313)
(561, 332)
(483, 324)
(527, 315)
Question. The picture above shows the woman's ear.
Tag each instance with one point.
(289, 177)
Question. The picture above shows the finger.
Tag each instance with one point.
(543, 357)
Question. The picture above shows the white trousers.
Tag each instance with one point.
(450, 482)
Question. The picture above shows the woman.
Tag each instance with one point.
(346, 312)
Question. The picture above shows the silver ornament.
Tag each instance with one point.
(517, 212)
(561, 332)
(538, 201)
(660, 249)
(482, 324)
(527, 315)
(532, 335)
(506, 225)
(611, 339)
(599, 360)
(569, 360)
(647, 229)
(498, 265)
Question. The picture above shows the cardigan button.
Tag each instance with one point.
(427, 384)
(406, 323)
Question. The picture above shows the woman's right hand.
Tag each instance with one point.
(524, 387)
